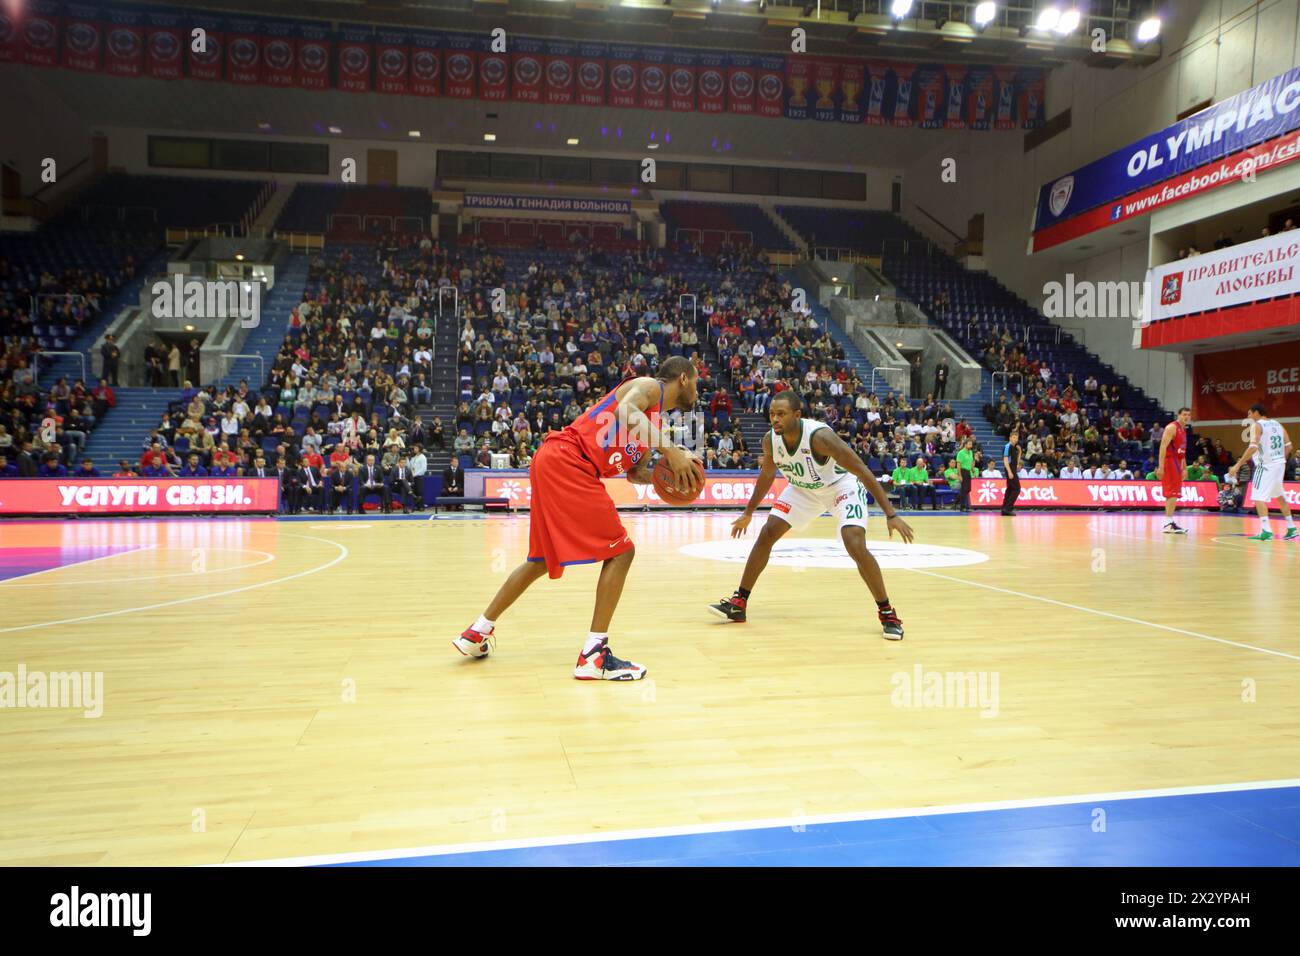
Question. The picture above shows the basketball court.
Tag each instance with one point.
(1073, 688)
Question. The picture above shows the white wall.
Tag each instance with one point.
(1211, 50)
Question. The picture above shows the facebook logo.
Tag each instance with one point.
(1116, 212)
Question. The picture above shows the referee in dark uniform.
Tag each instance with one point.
(1011, 461)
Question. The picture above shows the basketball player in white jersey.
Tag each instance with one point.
(823, 474)
(1269, 446)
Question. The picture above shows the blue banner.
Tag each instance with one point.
(1258, 114)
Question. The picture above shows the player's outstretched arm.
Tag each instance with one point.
(766, 475)
(826, 442)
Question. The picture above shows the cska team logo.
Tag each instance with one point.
(1062, 190)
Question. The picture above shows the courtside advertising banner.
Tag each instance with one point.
(1261, 269)
(1225, 384)
(1289, 488)
(137, 496)
(717, 491)
(1086, 493)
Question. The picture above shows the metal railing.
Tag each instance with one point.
(882, 368)
(455, 300)
(261, 364)
(1071, 328)
(1006, 376)
(36, 364)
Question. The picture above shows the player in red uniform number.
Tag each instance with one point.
(1171, 466)
(572, 519)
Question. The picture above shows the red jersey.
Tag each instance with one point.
(603, 439)
(1176, 452)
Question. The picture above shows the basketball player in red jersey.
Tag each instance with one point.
(1171, 465)
(572, 519)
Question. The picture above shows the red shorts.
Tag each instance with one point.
(572, 519)
(1172, 481)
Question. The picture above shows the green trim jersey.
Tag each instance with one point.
(800, 468)
(1272, 443)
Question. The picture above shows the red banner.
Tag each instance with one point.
(875, 77)
(681, 82)
(355, 53)
(825, 84)
(559, 73)
(711, 81)
(852, 89)
(460, 66)
(426, 64)
(623, 79)
(955, 115)
(979, 97)
(392, 61)
(1004, 115)
(741, 84)
(9, 37)
(904, 92)
(493, 75)
(1086, 493)
(124, 43)
(591, 74)
(771, 86)
(1290, 489)
(654, 79)
(280, 54)
(164, 43)
(40, 32)
(206, 53)
(1226, 384)
(244, 51)
(718, 491)
(313, 60)
(83, 38)
(527, 70)
(134, 496)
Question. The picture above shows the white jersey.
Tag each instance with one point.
(800, 467)
(1272, 443)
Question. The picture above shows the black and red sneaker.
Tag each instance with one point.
(730, 609)
(891, 624)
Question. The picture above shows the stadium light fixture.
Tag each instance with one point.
(572, 141)
(413, 133)
(1069, 22)
(489, 137)
(264, 126)
(1148, 30)
(239, 257)
(652, 146)
(335, 130)
(1048, 18)
(900, 9)
(984, 14)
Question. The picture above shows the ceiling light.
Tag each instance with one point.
(1048, 19)
(652, 146)
(189, 328)
(1068, 23)
(900, 8)
(239, 256)
(413, 133)
(985, 12)
(572, 141)
(1148, 30)
(264, 126)
(335, 130)
(489, 137)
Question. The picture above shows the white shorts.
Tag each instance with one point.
(846, 500)
(1266, 482)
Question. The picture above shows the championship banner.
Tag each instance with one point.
(654, 78)
(825, 84)
(1264, 112)
(1031, 89)
(83, 37)
(904, 94)
(771, 86)
(355, 53)
(955, 115)
(165, 40)
(591, 74)
(979, 97)
(313, 56)
(40, 33)
(392, 61)
(1226, 384)
(623, 79)
(135, 496)
(204, 63)
(124, 42)
(1087, 493)
(798, 84)
(1263, 268)
(711, 82)
(493, 72)
(931, 101)
(621, 207)
(1004, 116)
(1290, 490)
(560, 68)
(10, 30)
(243, 50)
(852, 88)
(682, 81)
(719, 490)
(426, 64)
(279, 53)
(459, 66)
(877, 74)
(740, 83)
(527, 74)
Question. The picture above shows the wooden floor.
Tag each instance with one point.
(287, 689)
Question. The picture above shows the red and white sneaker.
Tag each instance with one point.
(601, 664)
(891, 625)
(473, 644)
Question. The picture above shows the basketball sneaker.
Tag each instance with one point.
(1172, 527)
(1291, 534)
(1262, 536)
(730, 609)
(601, 664)
(892, 626)
(473, 644)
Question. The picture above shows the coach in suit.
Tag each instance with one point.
(453, 479)
(401, 481)
(339, 487)
(371, 481)
(309, 486)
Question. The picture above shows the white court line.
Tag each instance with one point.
(77, 564)
(133, 579)
(1117, 617)
(200, 597)
(768, 824)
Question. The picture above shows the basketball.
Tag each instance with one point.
(663, 482)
